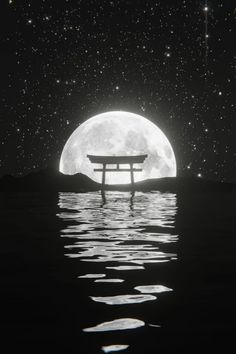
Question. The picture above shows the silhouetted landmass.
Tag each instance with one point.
(51, 180)
(48, 180)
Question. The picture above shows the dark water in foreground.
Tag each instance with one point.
(144, 273)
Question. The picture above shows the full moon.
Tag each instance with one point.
(118, 134)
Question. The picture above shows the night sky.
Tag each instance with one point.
(174, 62)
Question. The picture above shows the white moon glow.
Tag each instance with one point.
(118, 134)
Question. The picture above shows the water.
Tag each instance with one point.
(125, 239)
(120, 272)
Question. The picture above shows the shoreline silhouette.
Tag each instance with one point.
(52, 180)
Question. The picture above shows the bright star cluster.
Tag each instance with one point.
(173, 62)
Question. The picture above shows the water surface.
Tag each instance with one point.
(143, 273)
(124, 238)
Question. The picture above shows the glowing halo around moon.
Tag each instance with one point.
(118, 133)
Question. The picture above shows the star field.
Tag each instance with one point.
(174, 62)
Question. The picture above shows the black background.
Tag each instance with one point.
(63, 61)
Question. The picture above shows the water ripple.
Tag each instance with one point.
(123, 299)
(151, 289)
(114, 348)
(115, 233)
(116, 325)
(123, 233)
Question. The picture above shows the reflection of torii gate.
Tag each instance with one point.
(117, 160)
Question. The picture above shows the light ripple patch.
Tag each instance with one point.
(109, 281)
(123, 299)
(147, 289)
(116, 325)
(114, 348)
(92, 276)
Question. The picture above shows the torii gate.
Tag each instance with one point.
(117, 160)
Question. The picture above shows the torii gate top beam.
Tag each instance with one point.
(117, 160)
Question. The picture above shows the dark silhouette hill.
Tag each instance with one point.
(51, 180)
(48, 180)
